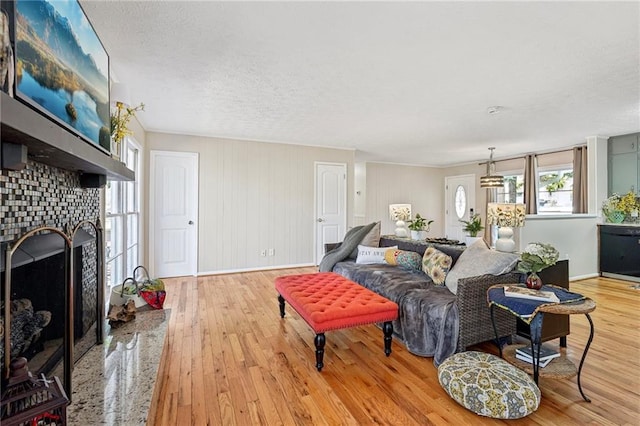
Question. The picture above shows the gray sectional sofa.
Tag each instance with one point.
(433, 321)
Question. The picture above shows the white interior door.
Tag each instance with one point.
(460, 204)
(331, 205)
(173, 198)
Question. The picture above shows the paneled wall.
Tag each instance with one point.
(257, 196)
(254, 196)
(422, 187)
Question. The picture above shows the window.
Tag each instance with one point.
(555, 189)
(122, 227)
(513, 188)
(461, 202)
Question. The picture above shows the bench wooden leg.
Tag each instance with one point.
(281, 301)
(319, 341)
(387, 328)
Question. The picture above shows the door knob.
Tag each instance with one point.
(190, 222)
(320, 219)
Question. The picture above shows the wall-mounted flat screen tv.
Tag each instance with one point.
(62, 68)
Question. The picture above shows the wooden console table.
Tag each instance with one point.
(558, 368)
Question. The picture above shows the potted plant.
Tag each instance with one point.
(472, 227)
(533, 259)
(419, 227)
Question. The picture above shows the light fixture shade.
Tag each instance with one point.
(120, 93)
(506, 214)
(400, 211)
(491, 181)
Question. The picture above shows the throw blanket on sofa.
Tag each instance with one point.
(352, 238)
(428, 321)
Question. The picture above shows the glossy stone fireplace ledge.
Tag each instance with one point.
(113, 383)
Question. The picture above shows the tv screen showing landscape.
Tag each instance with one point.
(62, 68)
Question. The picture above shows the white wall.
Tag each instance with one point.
(254, 196)
(422, 187)
(575, 237)
(360, 193)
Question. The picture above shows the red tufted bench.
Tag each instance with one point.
(328, 301)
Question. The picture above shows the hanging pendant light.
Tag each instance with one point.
(490, 180)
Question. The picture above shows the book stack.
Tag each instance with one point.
(531, 294)
(546, 355)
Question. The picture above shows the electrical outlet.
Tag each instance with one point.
(272, 252)
(263, 253)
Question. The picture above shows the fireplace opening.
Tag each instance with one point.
(38, 297)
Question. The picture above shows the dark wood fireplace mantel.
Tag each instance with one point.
(51, 144)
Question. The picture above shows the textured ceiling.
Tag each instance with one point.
(398, 82)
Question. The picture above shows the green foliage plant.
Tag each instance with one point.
(473, 225)
(419, 223)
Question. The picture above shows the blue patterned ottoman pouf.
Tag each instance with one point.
(488, 385)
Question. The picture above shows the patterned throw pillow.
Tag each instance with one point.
(372, 255)
(391, 256)
(436, 265)
(404, 259)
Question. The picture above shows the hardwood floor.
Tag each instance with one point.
(230, 359)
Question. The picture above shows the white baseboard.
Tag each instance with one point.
(621, 277)
(259, 268)
(583, 277)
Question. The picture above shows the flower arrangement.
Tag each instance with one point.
(536, 257)
(120, 121)
(616, 207)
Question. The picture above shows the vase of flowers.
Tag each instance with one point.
(534, 258)
(120, 125)
(617, 208)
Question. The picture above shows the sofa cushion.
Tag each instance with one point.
(404, 259)
(372, 239)
(371, 255)
(436, 265)
(489, 386)
(478, 260)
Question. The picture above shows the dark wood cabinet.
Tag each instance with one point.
(553, 326)
(619, 250)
